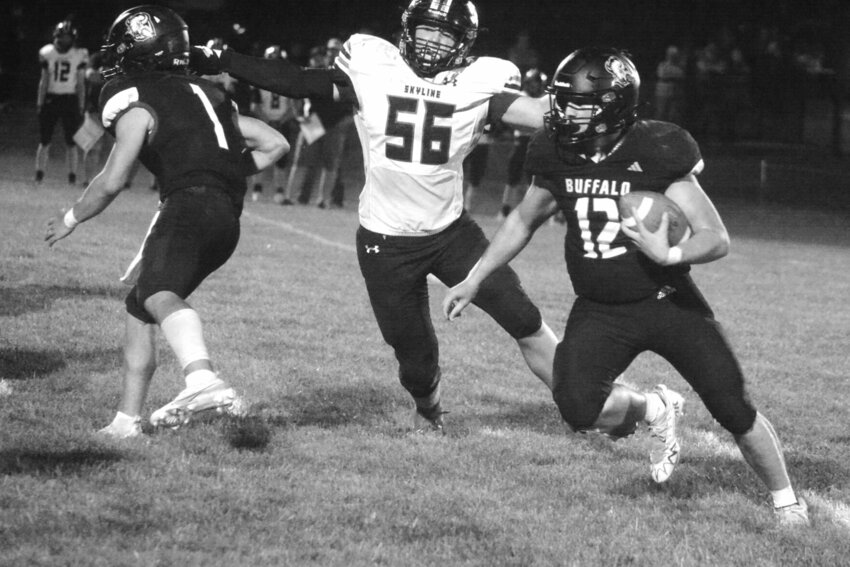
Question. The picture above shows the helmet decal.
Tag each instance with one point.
(140, 27)
(621, 73)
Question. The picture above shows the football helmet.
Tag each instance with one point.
(146, 38)
(534, 82)
(65, 27)
(593, 98)
(64, 35)
(459, 18)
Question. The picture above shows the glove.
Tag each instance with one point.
(205, 61)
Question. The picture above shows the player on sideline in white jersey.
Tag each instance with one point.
(61, 96)
(420, 108)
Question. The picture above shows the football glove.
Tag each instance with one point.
(205, 61)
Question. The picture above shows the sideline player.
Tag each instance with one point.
(61, 96)
(634, 292)
(420, 109)
(281, 114)
(183, 129)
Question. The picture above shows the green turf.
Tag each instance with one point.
(325, 471)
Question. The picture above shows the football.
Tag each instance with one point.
(649, 207)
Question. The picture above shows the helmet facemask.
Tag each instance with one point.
(428, 57)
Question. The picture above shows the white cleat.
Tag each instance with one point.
(134, 429)
(793, 515)
(217, 396)
(665, 457)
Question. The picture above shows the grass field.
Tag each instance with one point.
(326, 473)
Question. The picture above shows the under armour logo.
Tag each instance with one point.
(372, 249)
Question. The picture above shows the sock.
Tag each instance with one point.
(200, 379)
(429, 406)
(783, 497)
(654, 407)
(124, 421)
(182, 330)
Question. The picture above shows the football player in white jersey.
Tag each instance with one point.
(61, 96)
(420, 108)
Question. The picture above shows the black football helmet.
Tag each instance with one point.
(64, 35)
(146, 38)
(456, 17)
(534, 82)
(65, 27)
(593, 98)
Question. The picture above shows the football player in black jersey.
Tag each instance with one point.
(634, 293)
(186, 131)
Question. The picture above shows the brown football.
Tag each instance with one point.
(649, 207)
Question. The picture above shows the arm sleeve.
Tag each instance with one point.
(499, 104)
(280, 76)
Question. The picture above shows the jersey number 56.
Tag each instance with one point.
(435, 138)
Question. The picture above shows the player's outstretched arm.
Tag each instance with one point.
(510, 239)
(710, 240)
(265, 144)
(526, 113)
(276, 75)
(130, 133)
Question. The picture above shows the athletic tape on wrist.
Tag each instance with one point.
(70, 220)
(674, 255)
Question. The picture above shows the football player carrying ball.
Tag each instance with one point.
(634, 290)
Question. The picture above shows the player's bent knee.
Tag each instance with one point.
(734, 413)
(578, 414)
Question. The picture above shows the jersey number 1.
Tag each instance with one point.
(219, 129)
(436, 139)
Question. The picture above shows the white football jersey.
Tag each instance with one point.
(63, 68)
(415, 133)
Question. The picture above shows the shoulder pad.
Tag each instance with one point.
(116, 102)
(675, 146)
(503, 69)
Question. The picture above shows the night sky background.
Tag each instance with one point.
(644, 27)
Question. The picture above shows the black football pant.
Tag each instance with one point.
(195, 234)
(396, 268)
(601, 340)
(56, 108)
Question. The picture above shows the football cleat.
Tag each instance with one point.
(665, 456)
(793, 515)
(72, 179)
(123, 431)
(424, 425)
(180, 411)
(39, 176)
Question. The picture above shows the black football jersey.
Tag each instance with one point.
(194, 141)
(603, 263)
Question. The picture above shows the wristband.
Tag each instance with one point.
(674, 256)
(70, 220)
